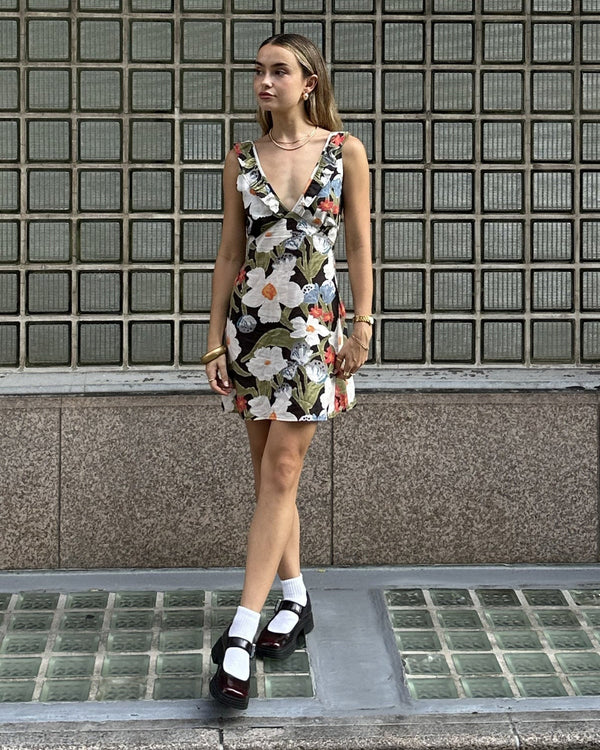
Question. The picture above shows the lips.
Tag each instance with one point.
(265, 95)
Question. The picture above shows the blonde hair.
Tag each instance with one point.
(320, 107)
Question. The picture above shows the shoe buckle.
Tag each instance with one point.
(253, 650)
(278, 604)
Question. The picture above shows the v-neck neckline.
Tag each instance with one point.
(308, 184)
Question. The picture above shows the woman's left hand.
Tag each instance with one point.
(355, 351)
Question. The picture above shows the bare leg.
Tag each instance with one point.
(275, 516)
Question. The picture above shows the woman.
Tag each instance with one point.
(283, 324)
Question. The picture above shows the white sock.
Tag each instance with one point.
(237, 660)
(294, 590)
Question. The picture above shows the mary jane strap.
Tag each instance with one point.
(292, 606)
(235, 642)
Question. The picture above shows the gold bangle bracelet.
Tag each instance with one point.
(213, 354)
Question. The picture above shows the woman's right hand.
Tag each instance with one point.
(218, 379)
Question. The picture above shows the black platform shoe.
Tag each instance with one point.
(282, 645)
(224, 687)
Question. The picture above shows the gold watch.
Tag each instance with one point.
(363, 319)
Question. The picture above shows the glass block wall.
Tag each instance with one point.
(481, 120)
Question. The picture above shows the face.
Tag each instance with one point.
(279, 82)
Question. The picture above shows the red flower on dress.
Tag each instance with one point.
(342, 309)
(327, 316)
(338, 139)
(316, 312)
(329, 355)
(326, 204)
(241, 404)
(237, 148)
(341, 399)
(240, 277)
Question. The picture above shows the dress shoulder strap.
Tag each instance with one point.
(243, 149)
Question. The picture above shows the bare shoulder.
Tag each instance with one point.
(354, 151)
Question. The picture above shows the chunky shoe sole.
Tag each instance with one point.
(227, 700)
(289, 648)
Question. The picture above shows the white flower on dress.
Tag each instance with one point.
(257, 206)
(267, 362)
(322, 243)
(328, 396)
(316, 371)
(269, 293)
(228, 403)
(350, 389)
(329, 267)
(261, 407)
(274, 236)
(310, 330)
(231, 341)
(336, 339)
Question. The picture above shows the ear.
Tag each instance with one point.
(311, 83)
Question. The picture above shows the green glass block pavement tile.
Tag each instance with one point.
(141, 620)
(586, 685)
(4, 600)
(540, 687)
(65, 690)
(23, 644)
(463, 619)
(545, 597)
(297, 662)
(122, 666)
(288, 686)
(476, 664)
(486, 687)
(77, 642)
(121, 690)
(71, 666)
(586, 597)
(184, 599)
(592, 617)
(426, 664)
(451, 597)
(220, 618)
(15, 692)
(467, 640)
(556, 618)
(167, 664)
(498, 597)
(129, 642)
(135, 599)
(170, 688)
(584, 661)
(508, 619)
(81, 621)
(511, 640)
(36, 601)
(232, 598)
(535, 663)
(563, 639)
(31, 621)
(408, 618)
(11, 667)
(410, 640)
(431, 688)
(180, 640)
(87, 600)
(190, 618)
(405, 598)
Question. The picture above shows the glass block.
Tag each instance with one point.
(297, 662)
(403, 141)
(462, 619)
(9, 89)
(452, 290)
(48, 4)
(77, 642)
(552, 340)
(9, 344)
(151, 41)
(9, 241)
(48, 292)
(403, 341)
(48, 39)
(408, 618)
(426, 664)
(202, 191)
(200, 239)
(65, 690)
(23, 644)
(31, 621)
(202, 141)
(540, 687)
(99, 241)
(167, 664)
(552, 141)
(244, 131)
(403, 290)
(151, 291)
(100, 41)
(9, 140)
(125, 666)
(410, 640)
(9, 39)
(522, 640)
(247, 37)
(71, 666)
(452, 241)
(452, 191)
(81, 621)
(453, 341)
(177, 688)
(203, 90)
(431, 688)
(403, 6)
(363, 130)
(151, 90)
(100, 190)
(302, 6)
(202, 5)
(502, 290)
(586, 597)
(17, 691)
(502, 92)
(590, 42)
(402, 91)
(151, 140)
(119, 642)
(451, 597)
(151, 241)
(590, 191)
(180, 598)
(498, 597)
(132, 620)
(545, 597)
(403, 190)
(158, 6)
(533, 663)
(99, 292)
(193, 342)
(556, 618)
(353, 42)
(590, 340)
(552, 42)
(353, 6)
(196, 291)
(502, 191)
(121, 690)
(452, 42)
(590, 85)
(180, 640)
(590, 290)
(34, 600)
(586, 685)
(502, 141)
(507, 619)
(203, 41)
(402, 240)
(49, 190)
(552, 240)
(11, 667)
(452, 6)
(552, 6)
(100, 5)
(486, 687)
(186, 619)
(552, 290)
(243, 99)
(403, 42)
(49, 140)
(453, 141)
(151, 343)
(314, 31)
(99, 90)
(590, 141)
(502, 240)
(467, 640)
(502, 341)
(592, 617)
(354, 91)
(552, 91)
(100, 140)
(49, 241)
(225, 598)
(476, 664)
(253, 6)
(48, 90)
(9, 190)
(9, 293)
(288, 686)
(568, 639)
(405, 598)
(503, 42)
(590, 6)
(452, 91)
(151, 190)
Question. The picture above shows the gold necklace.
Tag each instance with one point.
(305, 139)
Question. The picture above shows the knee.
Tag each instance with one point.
(281, 471)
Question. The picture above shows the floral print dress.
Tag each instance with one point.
(286, 320)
